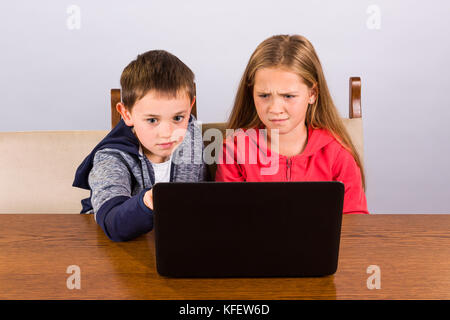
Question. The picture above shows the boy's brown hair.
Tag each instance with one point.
(156, 70)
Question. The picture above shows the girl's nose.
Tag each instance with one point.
(276, 106)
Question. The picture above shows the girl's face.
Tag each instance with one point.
(281, 99)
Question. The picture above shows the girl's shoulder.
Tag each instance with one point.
(323, 142)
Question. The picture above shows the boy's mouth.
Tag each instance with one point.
(167, 145)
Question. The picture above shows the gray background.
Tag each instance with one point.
(56, 78)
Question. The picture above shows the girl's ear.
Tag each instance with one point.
(313, 94)
(125, 113)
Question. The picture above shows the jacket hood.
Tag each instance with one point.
(120, 137)
(317, 140)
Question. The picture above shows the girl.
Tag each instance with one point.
(283, 90)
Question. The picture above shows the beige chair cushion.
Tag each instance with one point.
(355, 130)
(37, 170)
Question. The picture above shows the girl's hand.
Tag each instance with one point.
(148, 199)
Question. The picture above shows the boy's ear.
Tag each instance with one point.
(125, 113)
(193, 102)
(192, 105)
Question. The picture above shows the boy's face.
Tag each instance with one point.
(160, 122)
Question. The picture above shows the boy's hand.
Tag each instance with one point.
(148, 199)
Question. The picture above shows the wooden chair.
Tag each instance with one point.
(353, 123)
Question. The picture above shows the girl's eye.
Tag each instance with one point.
(263, 95)
(178, 118)
(152, 120)
(289, 96)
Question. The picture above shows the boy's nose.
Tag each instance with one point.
(165, 130)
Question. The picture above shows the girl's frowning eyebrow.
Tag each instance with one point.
(293, 93)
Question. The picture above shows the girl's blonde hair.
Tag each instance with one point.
(297, 54)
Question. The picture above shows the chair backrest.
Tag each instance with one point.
(37, 169)
(353, 123)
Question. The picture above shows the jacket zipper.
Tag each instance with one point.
(288, 169)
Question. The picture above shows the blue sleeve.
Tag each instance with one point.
(123, 218)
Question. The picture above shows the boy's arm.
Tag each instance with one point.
(204, 173)
(121, 216)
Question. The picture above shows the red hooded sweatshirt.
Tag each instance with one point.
(245, 157)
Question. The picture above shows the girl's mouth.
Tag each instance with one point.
(277, 120)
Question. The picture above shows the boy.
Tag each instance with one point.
(149, 145)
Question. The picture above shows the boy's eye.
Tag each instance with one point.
(152, 120)
(178, 118)
(289, 96)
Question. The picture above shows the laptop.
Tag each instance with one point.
(247, 229)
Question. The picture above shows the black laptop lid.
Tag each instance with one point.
(250, 229)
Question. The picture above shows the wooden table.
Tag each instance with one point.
(412, 251)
